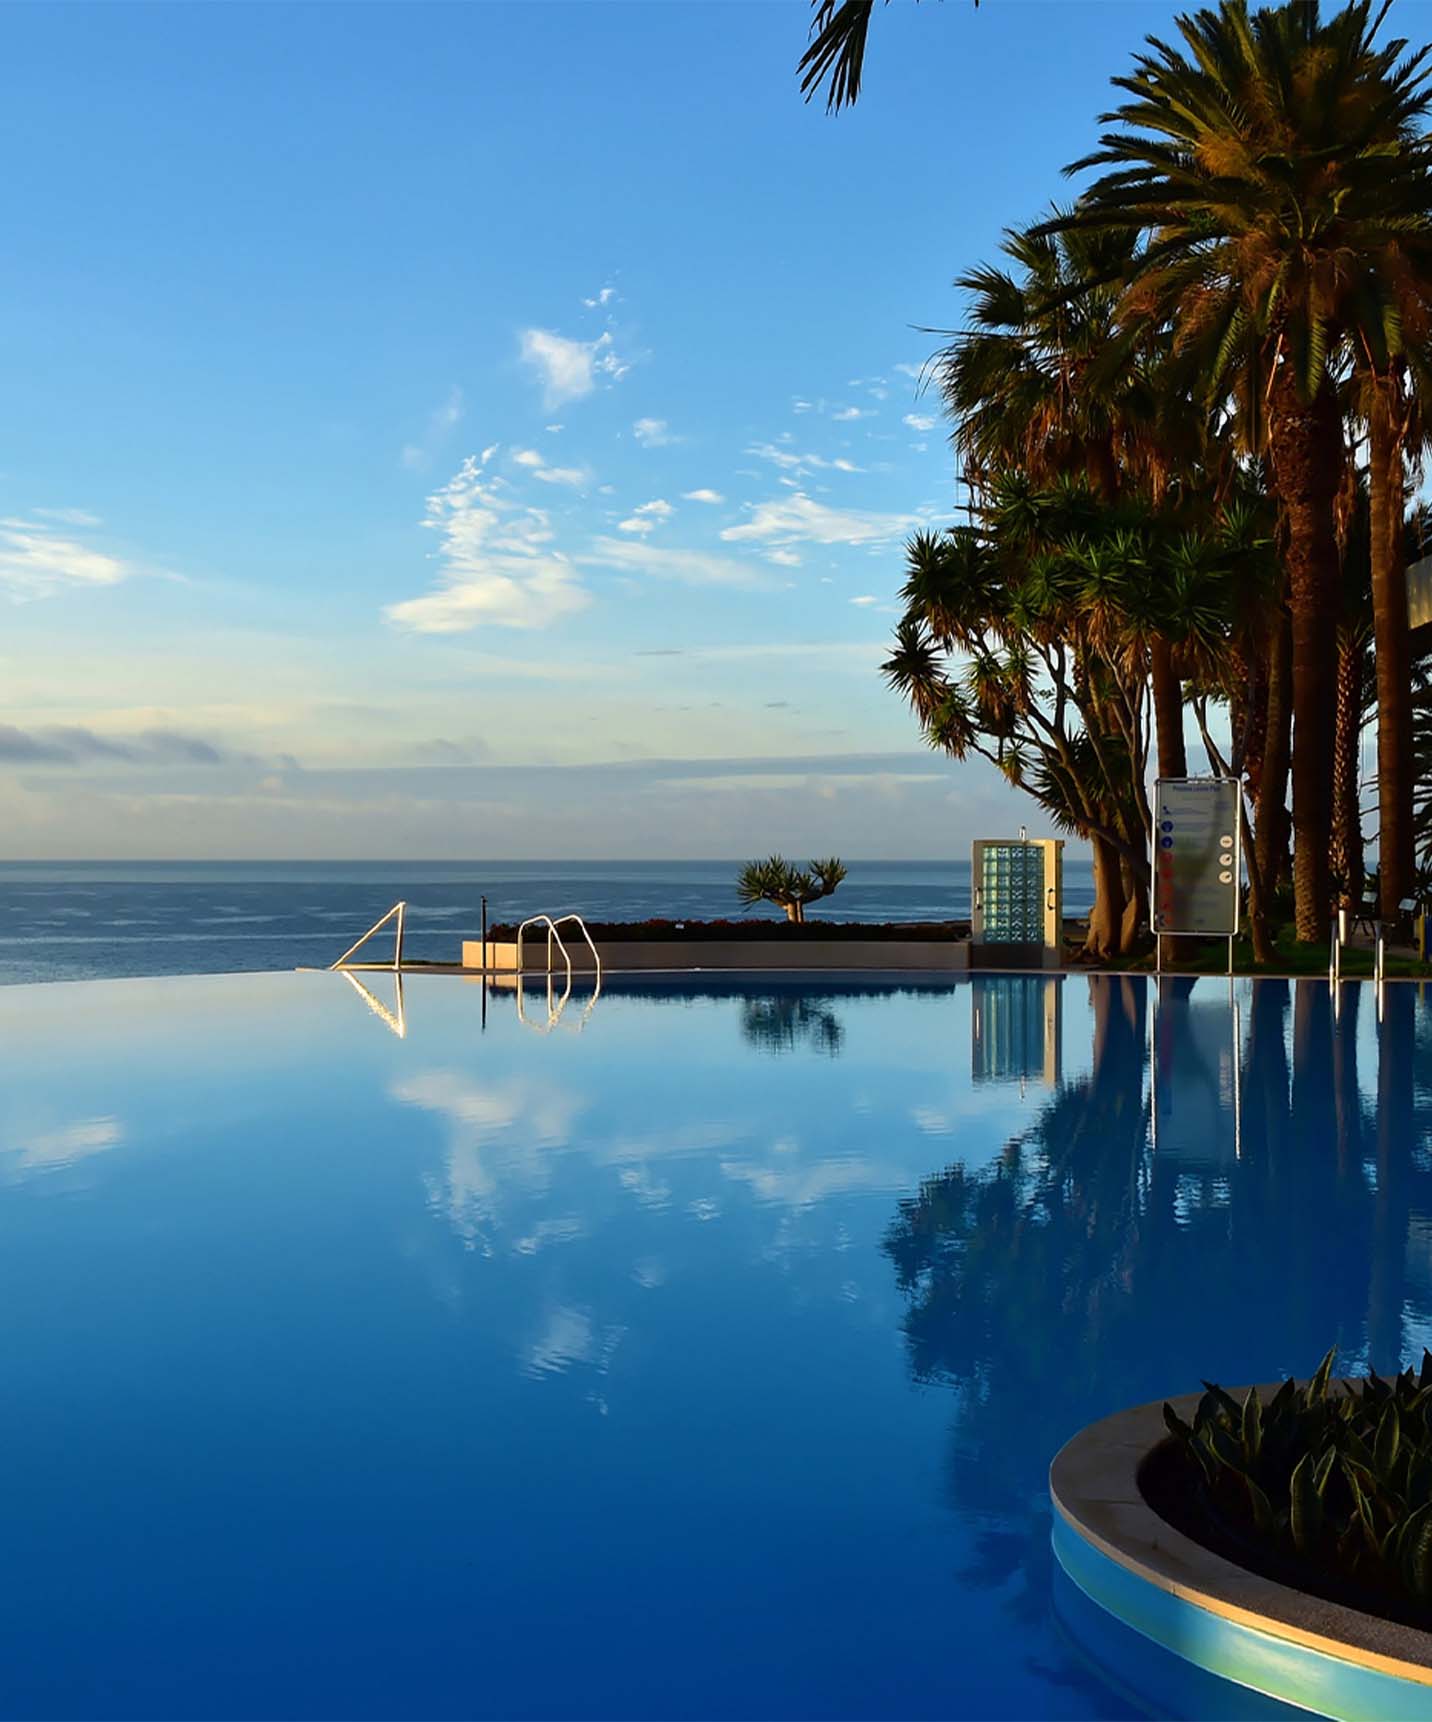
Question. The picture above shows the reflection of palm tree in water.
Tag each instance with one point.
(779, 1022)
(1080, 1272)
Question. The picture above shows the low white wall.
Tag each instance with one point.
(933, 954)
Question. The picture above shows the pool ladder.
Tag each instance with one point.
(555, 1006)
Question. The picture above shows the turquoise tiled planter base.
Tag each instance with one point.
(1277, 1667)
(1293, 1648)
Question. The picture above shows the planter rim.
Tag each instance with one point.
(1093, 1483)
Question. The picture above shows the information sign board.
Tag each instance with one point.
(1197, 855)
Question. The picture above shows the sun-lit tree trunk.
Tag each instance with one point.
(1136, 908)
(1272, 836)
(1307, 458)
(1107, 915)
(1387, 501)
(1345, 853)
(1168, 709)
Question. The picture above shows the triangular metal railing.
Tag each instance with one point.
(400, 911)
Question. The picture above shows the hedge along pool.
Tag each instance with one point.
(705, 1362)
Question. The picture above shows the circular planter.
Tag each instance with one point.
(1301, 1649)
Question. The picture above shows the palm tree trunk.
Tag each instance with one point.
(1387, 501)
(1168, 709)
(1307, 458)
(1345, 855)
(1272, 839)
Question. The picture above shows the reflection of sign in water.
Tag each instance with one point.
(1015, 1028)
(1196, 855)
(1195, 1088)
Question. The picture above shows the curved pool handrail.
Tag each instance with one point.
(581, 926)
(552, 933)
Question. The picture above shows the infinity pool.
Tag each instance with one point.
(703, 1356)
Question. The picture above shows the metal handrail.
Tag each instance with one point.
(553, 1011)
(398, 909)
(552, 933)
(398, 1023)
(582, 929)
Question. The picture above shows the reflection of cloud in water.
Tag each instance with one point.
(566, 1339)
(50, 1150)
(569, 1341)
(560, 1230)
(803, 1184)
(501, 1135)
(650, 1192)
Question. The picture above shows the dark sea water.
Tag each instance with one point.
(97, 919)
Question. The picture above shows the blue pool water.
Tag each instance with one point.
(703, 1356)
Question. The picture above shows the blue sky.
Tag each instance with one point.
(491, 431)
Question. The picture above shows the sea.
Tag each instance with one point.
(69, 921)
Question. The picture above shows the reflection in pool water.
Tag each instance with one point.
(707, 1362)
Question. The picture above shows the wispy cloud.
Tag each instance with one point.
(653, 433)
(74, 745)
(442, 421)
(36, 561)
(498, 567)
(604, 297)
(796, 518)
(569, 369)
(537, 467)
(702, 496)
(866, 598)
(647, 516)
(920, 421)
(68, 516)
(790, 461)
(844, 415)
(690, 567)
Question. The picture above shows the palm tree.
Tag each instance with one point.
(836, 54)
(1041, 378)
(1392, 377)
(1269, 164)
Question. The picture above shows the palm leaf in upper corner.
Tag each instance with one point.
(836, 55)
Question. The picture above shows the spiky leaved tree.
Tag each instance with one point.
(1267, 161)
(776, 880)
(1024, 641)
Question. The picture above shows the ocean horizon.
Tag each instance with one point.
(90, 920)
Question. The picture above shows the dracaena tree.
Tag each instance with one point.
(1024, 641)
(776, 880)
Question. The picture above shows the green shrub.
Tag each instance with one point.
(1336, 1476)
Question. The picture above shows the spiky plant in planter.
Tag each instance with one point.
(775, 880)
(1334, 1478)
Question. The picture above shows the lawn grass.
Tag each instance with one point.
(1191, 956)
